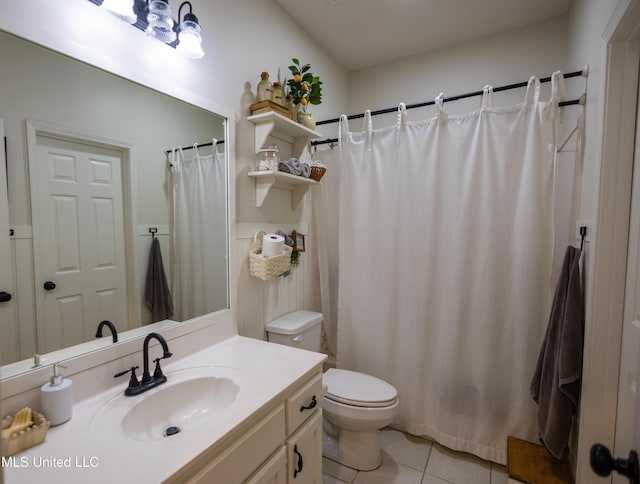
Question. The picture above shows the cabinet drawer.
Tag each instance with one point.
(304, 452)
(302, 404)
(237, 462)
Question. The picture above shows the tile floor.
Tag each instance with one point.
(411, 460)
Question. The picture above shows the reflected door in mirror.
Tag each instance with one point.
(77, 202)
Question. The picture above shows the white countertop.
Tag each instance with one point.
(80, 451)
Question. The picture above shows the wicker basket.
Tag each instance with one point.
(317, 172)
(267, 268)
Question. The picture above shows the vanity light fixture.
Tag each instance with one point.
(156, 19)
(189, 39)
(121, 10)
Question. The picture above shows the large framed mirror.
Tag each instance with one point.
(82, 253)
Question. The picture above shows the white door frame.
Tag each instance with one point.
(608, 257)
(129, 182)
(10, 334)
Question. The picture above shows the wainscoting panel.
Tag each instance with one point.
(262, 301)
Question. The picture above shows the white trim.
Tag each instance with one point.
(608, 262)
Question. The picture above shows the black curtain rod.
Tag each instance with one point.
(457, 97)
(219, 142)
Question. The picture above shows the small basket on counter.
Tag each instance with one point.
(267, 268)
(26, 437)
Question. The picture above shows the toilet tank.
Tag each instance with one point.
(300, 329)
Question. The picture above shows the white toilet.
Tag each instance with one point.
(355, 407)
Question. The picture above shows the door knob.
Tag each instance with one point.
(5, 296)
(602, 463)
(48, 286)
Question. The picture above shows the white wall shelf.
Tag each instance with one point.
(279, 126)
(276, 125)
(269, 179)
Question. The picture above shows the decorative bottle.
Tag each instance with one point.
(293, 109)
(264, 88)
(56, 398)
(276, 93)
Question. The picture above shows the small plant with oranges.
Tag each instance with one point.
(304, 87)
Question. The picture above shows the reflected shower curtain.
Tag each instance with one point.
(446, 241)
(199, 222)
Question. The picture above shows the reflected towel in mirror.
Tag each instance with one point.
(156, 289)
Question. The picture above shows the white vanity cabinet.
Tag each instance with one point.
(282, 444)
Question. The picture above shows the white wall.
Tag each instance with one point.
(500, 59)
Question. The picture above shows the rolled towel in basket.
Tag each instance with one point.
(295, 167)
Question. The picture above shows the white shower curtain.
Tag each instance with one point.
(446, 246)
(199, 235)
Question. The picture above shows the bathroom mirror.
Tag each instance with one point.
(58, 111)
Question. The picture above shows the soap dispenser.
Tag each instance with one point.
(56, 398)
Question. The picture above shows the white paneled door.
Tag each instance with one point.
(78, 228)
(9, 343)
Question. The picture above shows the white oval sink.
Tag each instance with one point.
(179, 407)
(187, 402)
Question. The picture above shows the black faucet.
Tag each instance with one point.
(148, 382)
(111, 326)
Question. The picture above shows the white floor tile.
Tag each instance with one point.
(403, 462)
(405, 449)
(429, 479)
(333, 469)
(327, 479)
(499, 474)
(390, 472)
(457, 467)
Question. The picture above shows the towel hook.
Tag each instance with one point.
(583, 234)
(152, 231)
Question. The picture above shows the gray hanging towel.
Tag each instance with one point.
(555, 386)
(156, 290)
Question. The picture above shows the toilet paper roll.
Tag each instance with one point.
(272, 244)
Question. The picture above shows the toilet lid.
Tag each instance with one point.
(358, 389)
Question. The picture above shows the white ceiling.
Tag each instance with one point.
(362, 33)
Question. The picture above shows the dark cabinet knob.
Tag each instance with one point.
(5, 296)
(48, 286)
(602, 463)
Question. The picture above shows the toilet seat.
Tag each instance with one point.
(358, 390)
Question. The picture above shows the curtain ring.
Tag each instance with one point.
(402, 114)
(487, 97)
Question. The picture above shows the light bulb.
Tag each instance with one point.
(190, 45)
(160, 22)
(121, 10)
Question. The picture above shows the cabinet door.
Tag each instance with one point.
(274, 471)
(304, 453)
